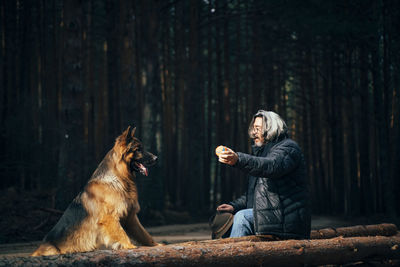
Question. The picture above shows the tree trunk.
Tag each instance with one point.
(220, 170)
(3, 85)
(318, 137)
(70, 109)
(99, 61)
(336, 113)
(48, 50)
(88, 57)
(114, 27)
(168, 106)
(208, 145)
(382, 135)
(226, 181)
(180, 65)
(151, 188)
(364, 140)
(350, 102)
(245, 253)
(384, 229)
(194, 121)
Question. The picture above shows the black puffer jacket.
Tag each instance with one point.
(277, 189)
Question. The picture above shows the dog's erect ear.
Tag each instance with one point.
(133, 132)
(125, 134)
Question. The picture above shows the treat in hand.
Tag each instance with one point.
(219, 149)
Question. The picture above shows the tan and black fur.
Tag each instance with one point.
(104, 214)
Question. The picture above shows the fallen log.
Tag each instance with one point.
(337, 250)
(384, 229)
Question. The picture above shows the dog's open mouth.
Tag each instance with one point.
(141, 168)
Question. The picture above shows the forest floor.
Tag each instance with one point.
(25, 220)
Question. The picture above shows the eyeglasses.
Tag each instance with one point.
(257, 129)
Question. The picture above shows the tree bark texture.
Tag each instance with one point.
(384, 229)
(337, 250)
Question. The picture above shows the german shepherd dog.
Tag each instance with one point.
(104, 214)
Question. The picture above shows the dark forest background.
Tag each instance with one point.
(190, 74)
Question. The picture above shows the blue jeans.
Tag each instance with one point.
(243, 223)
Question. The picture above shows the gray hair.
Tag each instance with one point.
(273, 125)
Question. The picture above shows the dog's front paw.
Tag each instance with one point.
(118, 245)
(130, 246)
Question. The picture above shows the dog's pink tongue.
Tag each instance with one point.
(143, 169)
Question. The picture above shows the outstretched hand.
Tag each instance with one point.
(228, 156)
